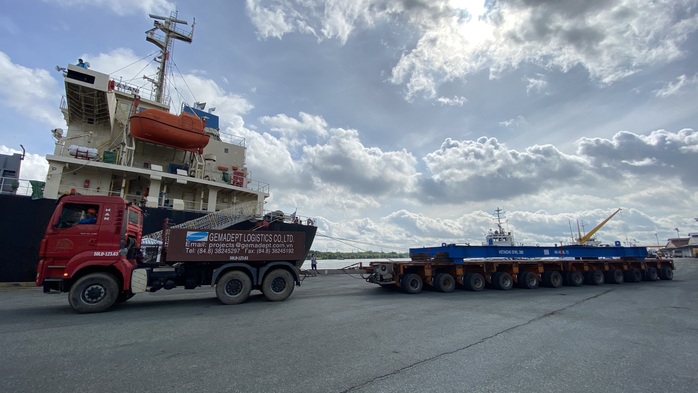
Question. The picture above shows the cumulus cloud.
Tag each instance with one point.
(33, 91)
(291, 128)
(661, 154)
(487, 169)
(346, 162)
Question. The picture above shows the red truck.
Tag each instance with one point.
(99, 261)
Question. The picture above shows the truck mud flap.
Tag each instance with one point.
(139, 280)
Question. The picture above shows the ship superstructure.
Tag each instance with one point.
(121, 140)
(499, 237)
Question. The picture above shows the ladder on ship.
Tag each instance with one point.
(217, 220)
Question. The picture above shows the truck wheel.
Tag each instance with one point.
(95, 292)
(633, 275)
(474, 282)
(444, 282)
(278, 285)
(233, 287)
(574, 278)
(615, 276)
(666, 273)
(595, 277)
(412, 283)
(650, 274)
(528, 280)
(502, 280)
(552, 279)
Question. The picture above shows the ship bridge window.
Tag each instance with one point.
(79, 76)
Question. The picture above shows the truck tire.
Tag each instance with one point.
(574, 278)
(94, 292)
(552, 279)
(474, 282)
(528, 280)
(633, 275)
(444, 282)
(666, 273)
(412, 283)
(233, 287)
(650, 274)
(502, 281)
(595, 277)
(615, 276)
(278, 285)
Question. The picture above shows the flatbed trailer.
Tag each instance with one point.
(473, 267)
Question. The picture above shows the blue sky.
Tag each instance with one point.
(406, 123)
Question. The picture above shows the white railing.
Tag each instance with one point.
(10, 185)
(217, 220)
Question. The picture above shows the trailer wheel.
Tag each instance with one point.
(574, 278)
(633, 275)
(233, 287)
(502, 280)
(95, 292)
(444, 282)
(650, 274)
(528, 280)
(474, 282)
(412, 283)
(552, 279)
(666, 273)
(278, 285)
(595, 277)
(615, 276)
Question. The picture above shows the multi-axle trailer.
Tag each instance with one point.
(473, 267)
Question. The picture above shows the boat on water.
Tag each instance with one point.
(122, 140)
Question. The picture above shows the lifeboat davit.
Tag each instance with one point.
(184, 131)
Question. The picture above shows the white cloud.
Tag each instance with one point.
(661, 154)
(487, 169)
(125, 7)
(517, 121)
(33, 91)
(34, 166)
(536, 83)
(674, 88)
(344, 161)
(455, 101)
(610, 39)
(291, 128)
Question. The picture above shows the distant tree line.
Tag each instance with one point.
(358, 255)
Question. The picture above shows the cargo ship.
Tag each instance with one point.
(122, 140)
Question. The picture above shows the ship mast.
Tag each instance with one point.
(169, 27)
(499, 212)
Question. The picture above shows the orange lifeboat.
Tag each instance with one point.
(184, 131)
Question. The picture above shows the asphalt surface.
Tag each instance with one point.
(340, 334)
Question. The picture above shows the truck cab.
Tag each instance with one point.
(90, 236)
